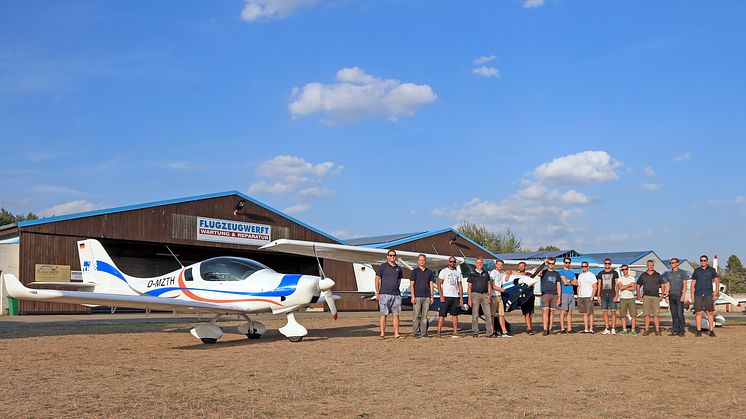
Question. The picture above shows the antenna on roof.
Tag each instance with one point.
(434, 249)
(172, 254)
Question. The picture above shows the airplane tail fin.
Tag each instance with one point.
(365, 277)
(98, 268)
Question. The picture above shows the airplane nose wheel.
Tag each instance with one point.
(208, 341)
(252, 329)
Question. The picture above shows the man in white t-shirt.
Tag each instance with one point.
(498, 277)
(587, 286)
(451, 291)
(625, 293)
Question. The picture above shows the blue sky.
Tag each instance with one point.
(591, 125)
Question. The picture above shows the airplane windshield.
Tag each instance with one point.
(229, 268)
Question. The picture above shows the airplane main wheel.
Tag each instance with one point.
(253, 335)
(295, 339)
(209, 341)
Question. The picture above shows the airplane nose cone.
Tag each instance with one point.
(325, 284)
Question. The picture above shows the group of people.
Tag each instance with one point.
(613, 293)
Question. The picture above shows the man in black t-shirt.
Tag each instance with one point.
(388, 279)
(551, 289)
(421, 287)
(606, 291)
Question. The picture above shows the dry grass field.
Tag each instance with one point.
(128, 368)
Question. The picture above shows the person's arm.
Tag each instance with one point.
(639, 293)
(559, 289)
(431, 290)
(378, 287)
(691, 288)
(470, 305)
(565, 281)
(440, 290)
(595, 289)
(411, 289)
(460, 292)
(664, 289)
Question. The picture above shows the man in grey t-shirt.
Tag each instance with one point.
(676, 286)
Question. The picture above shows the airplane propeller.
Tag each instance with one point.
(325, 286)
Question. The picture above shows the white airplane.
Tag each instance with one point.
(218, 286)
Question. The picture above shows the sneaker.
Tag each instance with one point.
(531, 333)
(606, 332)
(712, 333)
(561, 331)
(698, 333)
(633, 332)
(507, 335)
(545, 332)
(623, 332)
(439, 335)
(584, 331)
(613, 331)
(590, 332)
(455, 336)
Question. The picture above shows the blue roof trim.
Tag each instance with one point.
(430, 234)
(170, 202)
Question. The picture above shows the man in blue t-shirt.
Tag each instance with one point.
(388, 280)
(567, 301)
(704, 295)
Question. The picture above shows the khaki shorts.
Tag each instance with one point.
(627, 306)
(497, 308)
(549, 301)
(651, 305)
(585, 305)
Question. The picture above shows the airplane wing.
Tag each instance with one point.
(18, 290)
(354, 254)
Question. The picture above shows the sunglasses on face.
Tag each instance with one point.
(550, 263)
(625, 269)
(584, 267)
(567, 263)
(451, 261)
(703, 260)
(391, 256)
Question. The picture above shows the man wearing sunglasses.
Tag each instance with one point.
(587, 287)
(625, 287)
(606, 290)
(567, 301)
(388, 279)
(676, 285)
(527, 308)
(480, 296)
(551, 288)
(450, 290)
(704, 295)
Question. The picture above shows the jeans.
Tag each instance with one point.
(419, 315)
(677, 312)
(480, 300)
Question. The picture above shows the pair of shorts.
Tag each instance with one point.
(568, 302)
(528, 306)
(549, 301)
(451, 306)
(585, 305)
(497, 308)
(703, 303)
(651, 305)
(607, 302)
(627, 306)
(389, 304)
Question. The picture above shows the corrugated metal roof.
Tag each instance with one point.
(22, 224)
(367, 241)
(418, 236)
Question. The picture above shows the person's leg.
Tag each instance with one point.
(698, 320)
(424, 309)
(613, 318)
(383, 325)
(545, 318)
(605, 308)
(488, 320)
(562, 319)
(454, 321)
(416, 316)
(441, 319)
(711, 320)
(396, 325)
(657, 323)
(475, 304)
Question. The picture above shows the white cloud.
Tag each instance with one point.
(38, 156)
(683, 157)
(485, 71)
(618, 238)
(359, 95)
(578, 169)
(55, 190)
(649, 171)
(484, 59)
(540, 207)
(532, 4)
(255, 10)
(294, 177)
(297, 209)
(182, 165)
(651, 187)
(739, 200)
(72, 207)
(346, 234)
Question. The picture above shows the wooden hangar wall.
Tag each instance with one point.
(175, 224)
(444, 243)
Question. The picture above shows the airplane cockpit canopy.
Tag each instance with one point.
(229, 268)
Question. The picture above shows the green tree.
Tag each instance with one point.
(548, 248)
(501, 242)
(734, 277)
(7, 217)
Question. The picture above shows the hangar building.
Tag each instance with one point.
(136, 237)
